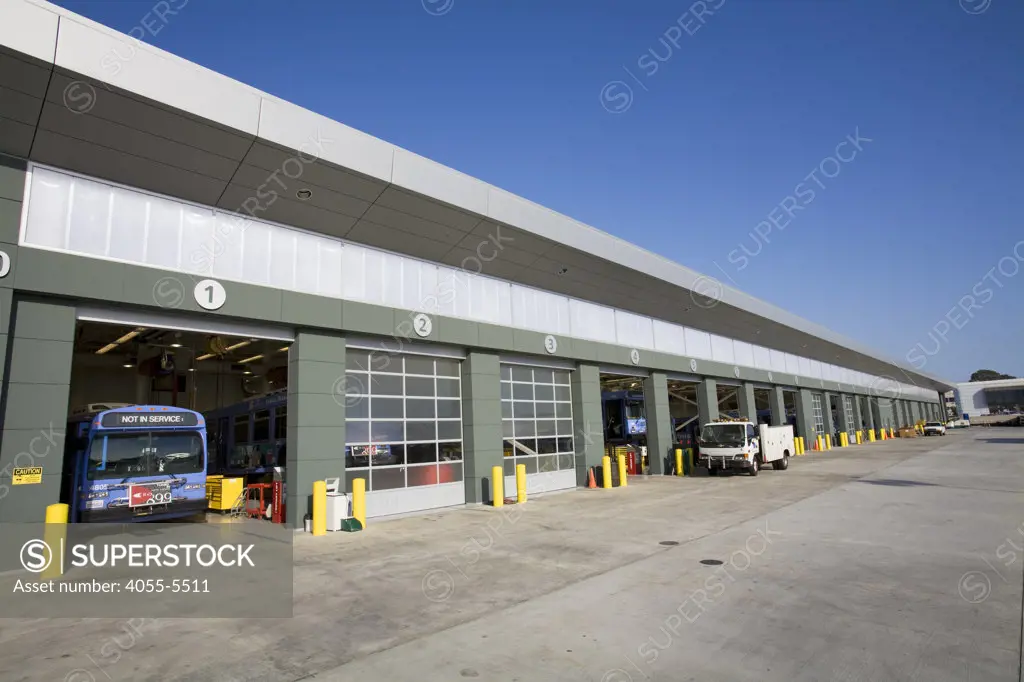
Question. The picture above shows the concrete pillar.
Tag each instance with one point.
(659, 423)
(868, 413)
(481, 424)
(844, 424)
(39, 340)
(316, 418)
(587, 421)
(747, 402)
(777, 404)
(707, 401)
(805, 415)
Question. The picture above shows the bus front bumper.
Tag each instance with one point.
(126, 514)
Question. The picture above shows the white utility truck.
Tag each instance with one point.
(739, 444)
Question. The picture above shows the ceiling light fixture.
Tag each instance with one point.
(128, 364)
(253, 358)
(240, 344)
(124, 339)
(204, 357)
(175, 345)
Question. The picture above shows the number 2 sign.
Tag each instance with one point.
(210, 294)
(422, 324)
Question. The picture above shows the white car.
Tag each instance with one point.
(934, 429)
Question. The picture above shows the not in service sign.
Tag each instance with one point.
(123, 419)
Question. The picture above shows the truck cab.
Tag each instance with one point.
(741, 445)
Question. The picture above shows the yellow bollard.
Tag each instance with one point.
(871, 435)
(623, 478)
(892, 433)
(690, 464)
(860, 438)
(679, 461)
(798, 445)
(520, 483)
(319, 508)
(820, 442)
(828, 441)
(498, 486)
(54, 536)
(359, 500)
(606, 472)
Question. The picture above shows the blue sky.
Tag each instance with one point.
(728, 115)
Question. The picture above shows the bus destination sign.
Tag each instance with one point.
(149, 419)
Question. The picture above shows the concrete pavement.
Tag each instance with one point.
(888, 561)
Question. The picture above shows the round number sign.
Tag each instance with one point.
(550, 343)
(422, 324)
(5, 264)
(210, 294)
(693, 365)
(634, 356)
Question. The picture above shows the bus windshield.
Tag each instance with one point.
(149, 453)
(723, 435)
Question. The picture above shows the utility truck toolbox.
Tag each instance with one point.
(739, 444)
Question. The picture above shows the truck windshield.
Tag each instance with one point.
(150, 453)
(723, 435)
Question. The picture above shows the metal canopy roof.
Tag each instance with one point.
(99, 102)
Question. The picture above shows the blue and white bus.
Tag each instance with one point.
(134, 463)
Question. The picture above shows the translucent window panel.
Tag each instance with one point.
(421, 431)
(419, 409)
(307, 260)
(419, 286)
(450, 430)
(564, 427)
(525, 428)
(386, 432)
(256, 253)
(522, 373)
(452, 292)
(506, 391)
(423, 474)
(563, 393)
(792, 363)
(386, 408)
(563, 410)
(357, 359)
(539, 310)
(507, 428)
(522, 391)
(546, 427)
(544, 410)
(447, 388)
(447, 368)
(199, 247)
(449, 409)
(762, 357)
(229, 240)
(590, 321)
(385, 385)
(634, 330)
(419, 365)
(698, 343)
(387, 478)
(164, 232)
(449, 472)
(357, 408)
(669, 338)
(721, 349)
(744, 353)
(357, 432)
(561, 377)
(353, 265)
(421, 452)
(48, 209)
(329, 283)
(419, 386)
(282, 258)
(522, 410)
(128, 226)
(805, 366)
(389, 276)
(543, 392)
(90, 216)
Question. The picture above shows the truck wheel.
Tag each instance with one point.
(781, 464)
(754, 467)
(712, 471)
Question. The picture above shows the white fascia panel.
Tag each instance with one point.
(429, 178)
(29, 28)
(134, 66)
(311, 135)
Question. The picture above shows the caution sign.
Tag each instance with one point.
(28, 475)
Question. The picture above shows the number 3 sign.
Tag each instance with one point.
(210, 294)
